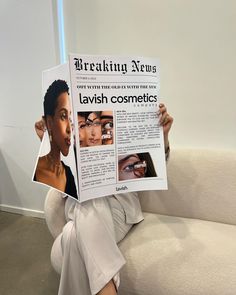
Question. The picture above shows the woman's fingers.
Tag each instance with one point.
(165, 119)
(162, 113)
(40, 128)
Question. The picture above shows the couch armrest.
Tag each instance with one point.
(54, 208)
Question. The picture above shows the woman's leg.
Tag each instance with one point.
(91, 257)
(121, 228)
(96, 242)
(74, 279)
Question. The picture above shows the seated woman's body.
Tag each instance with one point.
(91, 258)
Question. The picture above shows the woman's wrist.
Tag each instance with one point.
(166, 142)
(167, 148)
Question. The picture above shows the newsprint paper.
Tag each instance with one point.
(102, 134)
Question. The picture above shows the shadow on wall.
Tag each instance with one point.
(18, 151)
(7, 186)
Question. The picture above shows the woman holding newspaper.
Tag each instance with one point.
(91, 257)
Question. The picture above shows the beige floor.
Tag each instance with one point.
(25, 267)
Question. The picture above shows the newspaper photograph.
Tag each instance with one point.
(103, 135)
(56, 163)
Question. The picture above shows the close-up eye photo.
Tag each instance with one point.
(135, 166)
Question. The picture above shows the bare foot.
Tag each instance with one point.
(109, 289)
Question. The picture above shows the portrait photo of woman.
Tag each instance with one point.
(135, 166)
(50, 169)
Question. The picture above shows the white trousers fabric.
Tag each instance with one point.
(91, 257)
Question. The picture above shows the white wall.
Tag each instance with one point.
(27, 47)
(195, 41)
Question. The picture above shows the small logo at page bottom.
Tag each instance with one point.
(122, 188)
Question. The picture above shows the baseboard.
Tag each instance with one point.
(22, 211)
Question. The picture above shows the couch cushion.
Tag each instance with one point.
(179, 256)
(202, 184)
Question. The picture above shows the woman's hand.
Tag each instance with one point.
(166, 121)
(40, 128)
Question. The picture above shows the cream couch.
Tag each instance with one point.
(187, 243)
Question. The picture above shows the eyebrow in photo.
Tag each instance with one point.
(106, 117)
(127, 157)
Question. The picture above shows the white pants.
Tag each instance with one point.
(91, 257)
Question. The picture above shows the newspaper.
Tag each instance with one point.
(107, 137)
